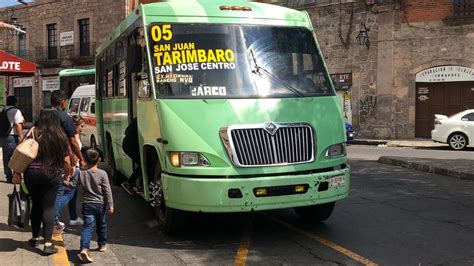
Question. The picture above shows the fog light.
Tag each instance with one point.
(260, 192)
(174, 157)
(300, 189)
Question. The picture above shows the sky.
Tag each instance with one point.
(4, 3)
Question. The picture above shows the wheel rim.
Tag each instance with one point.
(457, 142)
(158, 200)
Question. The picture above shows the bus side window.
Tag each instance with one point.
(92, 108)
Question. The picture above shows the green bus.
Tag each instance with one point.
(235, 108)
(70, 79)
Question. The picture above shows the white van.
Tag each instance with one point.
(82, 103)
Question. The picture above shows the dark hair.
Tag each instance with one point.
(77, 120)
(11, 100)
(92, 156)
(57, 96)
(52, 141)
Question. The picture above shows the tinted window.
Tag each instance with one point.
(468, 117)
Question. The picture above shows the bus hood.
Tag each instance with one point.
(193, 125)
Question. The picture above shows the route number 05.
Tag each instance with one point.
(163, 32)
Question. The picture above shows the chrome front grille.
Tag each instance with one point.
(269, 144)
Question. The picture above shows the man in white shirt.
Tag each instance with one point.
(10, 142)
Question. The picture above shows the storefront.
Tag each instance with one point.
(442, 90)
(17, 80)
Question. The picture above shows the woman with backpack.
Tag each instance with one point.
(43, 176)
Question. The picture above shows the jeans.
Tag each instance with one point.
(94, 214)
(8, 147)
(66, 195)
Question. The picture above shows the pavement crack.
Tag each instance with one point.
(180, 260)
(314, 255)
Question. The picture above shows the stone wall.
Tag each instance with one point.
(406, 37)
(103, 17)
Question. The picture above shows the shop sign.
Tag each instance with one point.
(66, 38)
(22, 82)
(50, 84)
(446, 74)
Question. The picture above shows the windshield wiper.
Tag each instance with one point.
(260, 70)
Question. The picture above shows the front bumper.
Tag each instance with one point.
(212, 194)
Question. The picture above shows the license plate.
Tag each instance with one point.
(337, 181)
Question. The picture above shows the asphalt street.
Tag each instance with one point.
(393, 216)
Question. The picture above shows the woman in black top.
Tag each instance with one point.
(43, 176)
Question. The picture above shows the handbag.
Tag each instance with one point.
(18, 209)
(25, 153)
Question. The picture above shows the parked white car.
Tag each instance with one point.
(456, 130)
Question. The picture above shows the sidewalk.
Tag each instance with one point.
(458, 168)
(399, 143)
(14, 249)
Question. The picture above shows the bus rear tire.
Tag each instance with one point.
(315, 213)
(116, 177)
(169, 220)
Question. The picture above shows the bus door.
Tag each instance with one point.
(134, 67)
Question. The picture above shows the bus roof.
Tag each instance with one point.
(76, 72)
(208, 11)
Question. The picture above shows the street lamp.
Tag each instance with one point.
(17, 26)
(363, 36)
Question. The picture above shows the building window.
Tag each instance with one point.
(52, 41)
(84, 37)
(463, 8)
(22, 52)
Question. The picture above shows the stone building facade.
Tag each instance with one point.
(59, 34)
(420, 60)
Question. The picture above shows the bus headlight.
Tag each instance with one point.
(336, 150)
(179, 159)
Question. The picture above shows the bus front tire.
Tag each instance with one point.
(169, 220)
(315, 213)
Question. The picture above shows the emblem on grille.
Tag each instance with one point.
(271, 128)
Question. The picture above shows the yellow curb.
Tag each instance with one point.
(61, 257)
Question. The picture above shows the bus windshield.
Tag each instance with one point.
(236, 61)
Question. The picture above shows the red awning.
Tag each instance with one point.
(11, 65)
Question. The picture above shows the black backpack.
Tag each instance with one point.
(5, 124)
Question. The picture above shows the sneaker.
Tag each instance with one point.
(48, 250)
(128, 187)
(58, 229)
(84, 256)
(78, 221)
(33, 242)
(103, 248)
